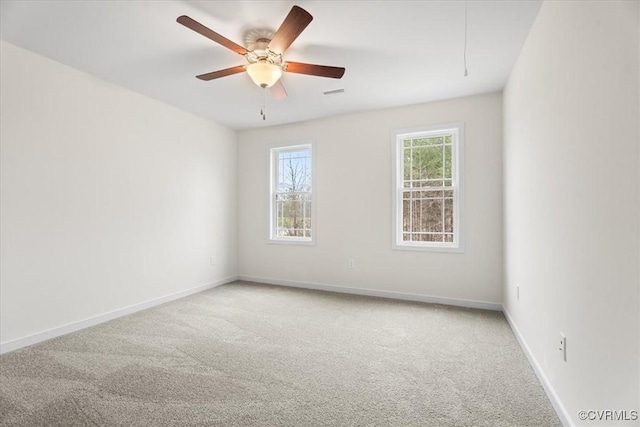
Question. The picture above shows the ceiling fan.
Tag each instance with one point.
(265, 65)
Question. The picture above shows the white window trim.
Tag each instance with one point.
(271, 238)
(458, 178)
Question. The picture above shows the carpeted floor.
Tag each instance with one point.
(258, 355)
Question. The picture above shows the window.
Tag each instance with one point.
(291, 194)
(427, 209)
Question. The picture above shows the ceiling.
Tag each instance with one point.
(395, 52)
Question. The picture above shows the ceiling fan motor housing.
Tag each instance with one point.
(261, 53)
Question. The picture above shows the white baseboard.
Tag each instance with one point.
(376, 293)
(562, 412)
(92, 321)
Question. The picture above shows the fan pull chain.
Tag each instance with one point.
(263, 110)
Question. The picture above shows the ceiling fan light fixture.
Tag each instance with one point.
(264, 74)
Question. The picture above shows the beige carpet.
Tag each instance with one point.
(257, 355)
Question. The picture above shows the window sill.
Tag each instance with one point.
(419, 248)
(291, 242)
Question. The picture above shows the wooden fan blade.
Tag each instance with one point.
(314, 70)
(295, 22)
(222, 73)
(278, 91)
(210, 34)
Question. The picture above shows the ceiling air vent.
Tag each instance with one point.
(333, 92)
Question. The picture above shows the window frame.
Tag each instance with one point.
(272, 238)
(457, 177)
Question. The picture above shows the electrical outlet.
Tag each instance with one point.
(518, 292)
(351, 263)
(213, 260)
(562, 347)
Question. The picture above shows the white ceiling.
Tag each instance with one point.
(395, 52)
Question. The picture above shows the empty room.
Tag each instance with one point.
(319, 213)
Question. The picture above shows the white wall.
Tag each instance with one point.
(353, 216)
(571, 201)
(109, 198)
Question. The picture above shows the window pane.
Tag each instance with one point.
(430, 183)
(307, 216)
(294, 171)
(425, 166)
(448, 215)
(421, 142)
(427, 211)
(435, 140)
(294, 215)
(406, 169)
(427, 237)
(447, 161)
(417, 194)
(427, 215)
(406, 217)
(427, 163)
